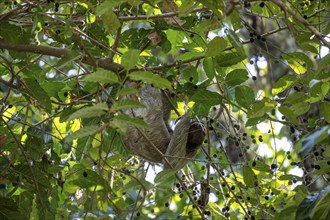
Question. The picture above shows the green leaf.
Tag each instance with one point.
(260, 108)
(111, 22)
(66, 114)
(244, 96)
(13, 34)
(298, 61)
(228, 59)
(187, 6)
(324, 167)
(175, 37)
(215, 46)
(288, 113)
(318, 91)
(235, 41)
(325, 87)
(113, 139)
(315, 206)
(290, 177)
(35, 90)
(121, 122)
(201, 110)
(207, 25)
(249, 177)
(128, 91)
(215, 6)
(106, 6)
(9, 208)
(236, 77)
(151, 78)
(102, 76)
(209, 68)
(254, 121)
(68, 58)
(126, 103)
(52, 88)
(35, 143)
(164, 177)
(207, 97)
(283, 83)
(323, 63)
(235, 19)
(322, 208)
(190, 71)
(300, 108)
(137, 122)
(307, 143)
(82, 132)
(308, 47)
(89, 111)
(189, 55)
(325, 110)
(130, 58)
(134, 2)
(85, 181)
(295, 98)
(259, 165)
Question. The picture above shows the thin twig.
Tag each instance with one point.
(301, 20)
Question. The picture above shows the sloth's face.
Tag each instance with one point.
(196, 136)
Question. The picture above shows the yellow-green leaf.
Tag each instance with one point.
(299, 62)
(283, 83)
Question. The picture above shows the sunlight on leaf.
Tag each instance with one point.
(299, 62)
(283, 84)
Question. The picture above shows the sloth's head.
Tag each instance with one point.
(196, 136)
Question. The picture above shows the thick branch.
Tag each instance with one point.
(301, 20)
(104, 63)
(59, 52)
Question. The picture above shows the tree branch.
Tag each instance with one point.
(303, 21)
(104, 63)
(59, 52)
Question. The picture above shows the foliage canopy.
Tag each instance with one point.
(256, 73)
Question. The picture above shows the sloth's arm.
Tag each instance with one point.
(176, 150)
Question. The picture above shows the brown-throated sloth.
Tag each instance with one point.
(176, 146)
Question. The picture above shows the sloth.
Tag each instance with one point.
(158, 142)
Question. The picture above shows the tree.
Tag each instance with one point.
(256, 73)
